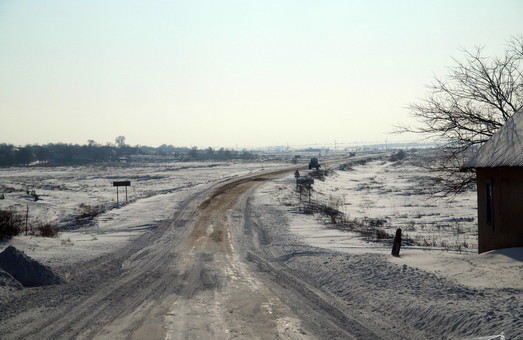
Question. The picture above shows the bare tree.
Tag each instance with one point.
(120, 141)
(464, 109)
(193, 153)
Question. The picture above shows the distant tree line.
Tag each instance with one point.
(192, 154)
(60, 153)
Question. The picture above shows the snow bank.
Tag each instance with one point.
(498, 269)
(27, 271)
(426, 293)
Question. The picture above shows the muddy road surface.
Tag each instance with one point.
(205, 274)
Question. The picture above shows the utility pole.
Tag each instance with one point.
(26, 219)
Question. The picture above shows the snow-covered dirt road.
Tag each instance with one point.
(182, 280)
(227, 264)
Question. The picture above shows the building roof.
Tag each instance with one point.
(504, 148)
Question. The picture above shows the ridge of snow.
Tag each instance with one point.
(504, 148)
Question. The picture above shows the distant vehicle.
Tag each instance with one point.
(314, 163)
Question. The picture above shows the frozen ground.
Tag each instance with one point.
(155, 192)
(397, 195)
(434, 290)
(496, 269)
(429, 290)
(426, 293)
(445, 231)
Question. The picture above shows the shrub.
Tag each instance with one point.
(411, 226)
(10, 224)
(332, 213)
(346, 167)
(308, 209)
(88, 212)
(397, 156)
(382, 234)
(46, 230)
(319, 174)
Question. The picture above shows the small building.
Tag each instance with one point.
(499, 170)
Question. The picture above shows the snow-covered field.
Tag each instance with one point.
(429, 292)
(397, 195)
(445, 233)
(62, 190)
(156, 189)
(394, 192)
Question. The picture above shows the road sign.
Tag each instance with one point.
(121, 184)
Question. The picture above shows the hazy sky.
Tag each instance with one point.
(230, 73)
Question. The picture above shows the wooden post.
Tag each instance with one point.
(26, 219)
(397, 243)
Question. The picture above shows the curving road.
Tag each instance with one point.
(197, 277)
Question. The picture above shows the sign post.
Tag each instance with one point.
(305, 182)
(396, 246)
(121, 184)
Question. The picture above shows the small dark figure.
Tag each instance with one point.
(297, 174)
(397, 243)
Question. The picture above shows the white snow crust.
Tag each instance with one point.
(504, 148)
(379, 189)
(496, 269)
(156, 190)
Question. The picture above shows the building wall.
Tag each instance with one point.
(502, 227)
